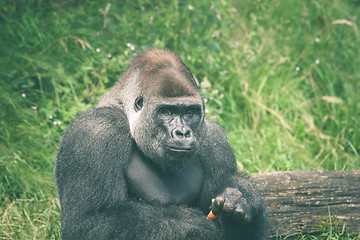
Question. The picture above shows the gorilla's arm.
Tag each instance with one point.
(93, 192)
(240, 208)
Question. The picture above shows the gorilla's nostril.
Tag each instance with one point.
(179, 134)
(187, 134)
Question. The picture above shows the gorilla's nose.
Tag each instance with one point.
(181, 133)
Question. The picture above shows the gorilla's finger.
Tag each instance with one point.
(217, 205)
(240, 215)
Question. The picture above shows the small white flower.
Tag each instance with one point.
(211, 98)
(216, 91)
(58, 122)
(206, 110)
(34, 108)
(126, 52)
(317, 39)
(297, 68)
(190, 7)
(317, 61)
(131, 46)
(55, 123)
(222, 95)
(109, 55)
(98, 50)
(50, 117)
(23, 95)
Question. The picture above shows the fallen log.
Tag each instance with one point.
(306, 202)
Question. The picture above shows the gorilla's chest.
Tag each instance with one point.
(146, 181)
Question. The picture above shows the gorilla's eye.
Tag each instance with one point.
(139, 103)
(189, 112)
(167, 113)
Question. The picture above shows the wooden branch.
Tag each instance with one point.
(302, 201)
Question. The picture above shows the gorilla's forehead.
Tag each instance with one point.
(171, 83)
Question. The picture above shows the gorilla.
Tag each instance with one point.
(145, 163)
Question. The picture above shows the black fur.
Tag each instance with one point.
(92, 160)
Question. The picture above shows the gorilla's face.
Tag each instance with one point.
(171, 130)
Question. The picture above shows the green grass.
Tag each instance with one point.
(282, 77)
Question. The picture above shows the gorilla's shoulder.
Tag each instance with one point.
(215, 131)
(100, 125)
(103, 114)
(101, 118)
(213, 126)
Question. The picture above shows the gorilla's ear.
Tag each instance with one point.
(139, 101)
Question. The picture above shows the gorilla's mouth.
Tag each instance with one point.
(179, 149)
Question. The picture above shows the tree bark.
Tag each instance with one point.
(301, 202)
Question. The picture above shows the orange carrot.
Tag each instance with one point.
(211, 215)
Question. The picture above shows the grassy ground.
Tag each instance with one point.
(282, 77)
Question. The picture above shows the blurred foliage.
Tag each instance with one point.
(282, 77)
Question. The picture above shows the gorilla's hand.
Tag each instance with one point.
(231, 203)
